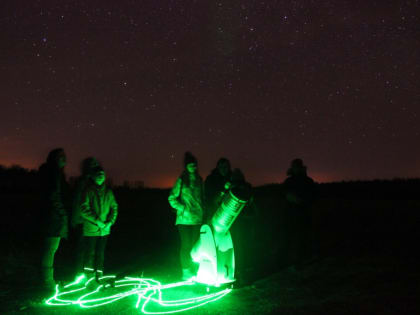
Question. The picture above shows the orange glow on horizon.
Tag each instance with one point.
(23, 162)
(322, 177)
(163, 182)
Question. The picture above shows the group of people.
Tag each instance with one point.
(195, 201)
(94, 209)
(91, 210)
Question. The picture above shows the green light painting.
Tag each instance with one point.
(149, 295)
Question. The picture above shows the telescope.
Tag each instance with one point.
(214, 251)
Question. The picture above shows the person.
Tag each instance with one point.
(300, 192)
(99, 211)
(87, 168)
(55, 193)
(216, 185)
(186, 198)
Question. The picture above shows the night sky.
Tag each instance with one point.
(137, 83)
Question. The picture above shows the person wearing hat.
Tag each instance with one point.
(300, 192)
(99, 212)
(87, 168)
(186, 198)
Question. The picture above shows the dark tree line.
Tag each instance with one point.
(380, 189)
(17, 179)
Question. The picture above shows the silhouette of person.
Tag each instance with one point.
(300, 192)
(87, 168)
(54, 200)
(186, 197)
(99, 211)
(216, 185)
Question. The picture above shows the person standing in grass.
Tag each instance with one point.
(186, 198)
(300, 192)
(54, 199)
(99, 211)
(87, 168)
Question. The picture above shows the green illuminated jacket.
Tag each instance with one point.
(187, 202)
(98, 204)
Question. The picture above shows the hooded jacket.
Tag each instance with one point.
(98, 205)
(300, 191)
(187, 200)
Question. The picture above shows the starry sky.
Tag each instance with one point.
(137, 83)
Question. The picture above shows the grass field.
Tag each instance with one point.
(366, 258)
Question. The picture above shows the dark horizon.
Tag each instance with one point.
(139, 183)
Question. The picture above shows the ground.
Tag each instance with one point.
(367, 264)
(339, 284)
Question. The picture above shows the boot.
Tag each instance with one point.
(80, 279)
(90, 277)
(47, 277)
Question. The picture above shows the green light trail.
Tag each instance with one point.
(150, 294)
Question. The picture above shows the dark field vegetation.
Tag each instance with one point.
(365, 238)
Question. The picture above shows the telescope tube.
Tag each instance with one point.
(231, 206)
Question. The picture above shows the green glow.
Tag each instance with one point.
(188, 303)
(215, 255)
(150, 294)
(78, 280)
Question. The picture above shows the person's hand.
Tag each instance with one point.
(107, 225)
(227, 185)
(100, 224)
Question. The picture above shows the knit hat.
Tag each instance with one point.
(189, 158)
(89, 165)
(97, 171)
(297, 163)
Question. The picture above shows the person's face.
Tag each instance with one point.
(191, 168)
(223, 168)
(297, 170)
(61, 160)
(99, 178)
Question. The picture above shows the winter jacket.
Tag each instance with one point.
(187, 200)
(54, 201)
(214, 189)
(98, 205)
(300, 191)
